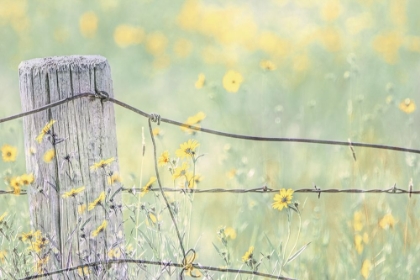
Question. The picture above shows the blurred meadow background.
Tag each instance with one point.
(325, 69)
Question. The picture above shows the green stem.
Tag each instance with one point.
(287, 240)
(297, 238)
(140, 180)
(163, 193)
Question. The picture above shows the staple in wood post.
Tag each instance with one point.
(84, 133)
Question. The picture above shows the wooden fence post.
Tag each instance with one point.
(84, 134)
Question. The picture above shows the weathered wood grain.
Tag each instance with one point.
(87, 127)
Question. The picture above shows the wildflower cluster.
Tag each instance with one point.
(360, 238)
(17, 182)
(35, 239)
(14, 182)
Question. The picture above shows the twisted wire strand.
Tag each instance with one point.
(161, 263)
(211, 131)
(155, 118)
(258, 190)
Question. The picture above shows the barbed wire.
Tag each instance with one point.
(316, 190)
(261, 190)
(211, 131)
(162, 263)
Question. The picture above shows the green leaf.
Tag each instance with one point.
(277, 254)
(217, 249)
(298, 252)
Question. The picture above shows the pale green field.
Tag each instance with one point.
(337, 71)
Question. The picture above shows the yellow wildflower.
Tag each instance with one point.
(359, 241)
(366, 267)
(357, 221)
(126, 35)
(156, 131)
(114, 178)
(114, 253)
(194, 120)
(49, 155)
(102, 163)
(88, 24)
(32, 235)
(97, 201)
(82, 271)
(3, 255)
(180, 171)
(8, 153)
(387, 221)
(27, 179)
(40, 265)
(230, 233)
(192, 182)
(282, 199)
(81, 208)
(201, 81)
(16, 190)
(187, 149)
(232, 81)
(39, 244)
(152, 218)
(248, 255)
(44, 131)
(268, 65)
(73, 192)
(15, 182)
(129, 249)
(407, 106)
(164, 158)
(100, 229)
(148, 186)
